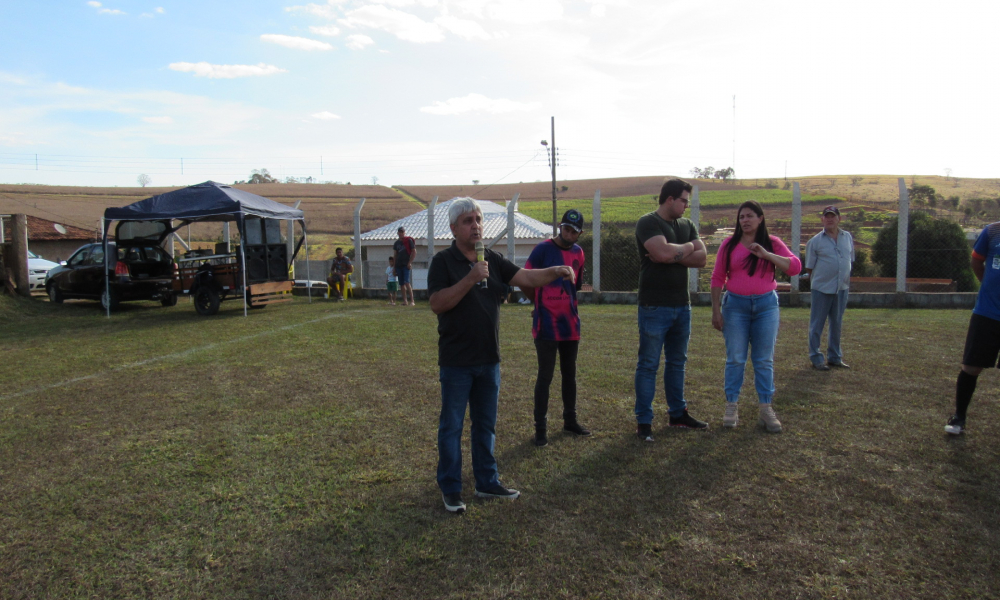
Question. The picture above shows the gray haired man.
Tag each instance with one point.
(829, 255)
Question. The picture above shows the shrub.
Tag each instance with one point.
(937, 249)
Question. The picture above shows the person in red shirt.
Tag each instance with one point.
(556, 323)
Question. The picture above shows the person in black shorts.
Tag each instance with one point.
(982, 342)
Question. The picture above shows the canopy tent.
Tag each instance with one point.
(209, 201)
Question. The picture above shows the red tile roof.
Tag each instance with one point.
(45, 230)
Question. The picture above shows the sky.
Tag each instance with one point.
(419, 92)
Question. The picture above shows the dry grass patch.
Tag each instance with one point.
(292, 454)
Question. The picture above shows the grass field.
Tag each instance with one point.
(291, 454)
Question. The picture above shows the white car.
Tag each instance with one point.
(38, 268)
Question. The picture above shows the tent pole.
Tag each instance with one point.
(243, 253)
(107, 280)
(309, 281)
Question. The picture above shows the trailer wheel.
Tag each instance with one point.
(206, 301)
(168, 299)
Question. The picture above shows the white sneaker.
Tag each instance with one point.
(768, 419)
(732, 416)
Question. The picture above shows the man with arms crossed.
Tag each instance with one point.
(556, 323)
(469, 349)
(405, 249)
(829, 255)
(668, 246)
(982, 342)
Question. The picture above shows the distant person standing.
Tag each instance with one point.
(829, 255)
(555, 323)
(982, 342)
(668, 246)
(747, 313)
(391, 282)
(405, 249)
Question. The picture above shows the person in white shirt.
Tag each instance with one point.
(391, 284)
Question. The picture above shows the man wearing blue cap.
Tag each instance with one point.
(555, 323)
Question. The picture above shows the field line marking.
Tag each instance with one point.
(174, 355)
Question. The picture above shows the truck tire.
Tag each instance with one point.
(206, 301)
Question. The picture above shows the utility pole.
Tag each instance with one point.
(552, 163)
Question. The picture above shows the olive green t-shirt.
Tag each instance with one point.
(660, 284)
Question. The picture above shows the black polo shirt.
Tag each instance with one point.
(469, 333)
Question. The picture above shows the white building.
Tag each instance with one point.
(377, 243)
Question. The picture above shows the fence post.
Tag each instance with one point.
(904, 232)
(696, 219)
(796, 246)
(596, 247)
(511, 209)
(358, 263)
(430, 230)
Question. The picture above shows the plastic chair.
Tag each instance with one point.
(347, 291)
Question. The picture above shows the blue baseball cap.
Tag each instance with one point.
(574, 219)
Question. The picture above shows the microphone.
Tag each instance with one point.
(480, 257)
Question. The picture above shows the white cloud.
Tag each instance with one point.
(401, 24)
(358, 42)
(477, 103)
(296, 43)
(204, 69)
(104, 11)
(463, 28)
(327, 11)
(598, 10)
(327, 30)
(525, 12)
(159, 10)
(325, 116)
(158, 120)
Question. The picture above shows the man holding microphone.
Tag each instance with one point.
(465, 293)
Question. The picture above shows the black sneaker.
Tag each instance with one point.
(645, 432)
(686, 420)
(840, 365)
(453, 503)
(498, 491)
(540, 438)
(575, 427)
(955, 425)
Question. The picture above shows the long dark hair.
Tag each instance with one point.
(762, 237)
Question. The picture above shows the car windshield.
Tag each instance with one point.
(32, 254)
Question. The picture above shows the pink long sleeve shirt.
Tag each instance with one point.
(736, 279)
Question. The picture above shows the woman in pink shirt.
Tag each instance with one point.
(747, 313)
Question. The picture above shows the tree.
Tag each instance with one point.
(374, 180)
(954, 200)
(261, 176)
(922, 193)
(937, 249)
(724, 174)
(144, 179)
(475, 182)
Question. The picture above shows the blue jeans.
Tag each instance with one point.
(826, 306)
(666, 328)
(479, 387)
(750, 321)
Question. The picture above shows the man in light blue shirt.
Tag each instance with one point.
(829, 255)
